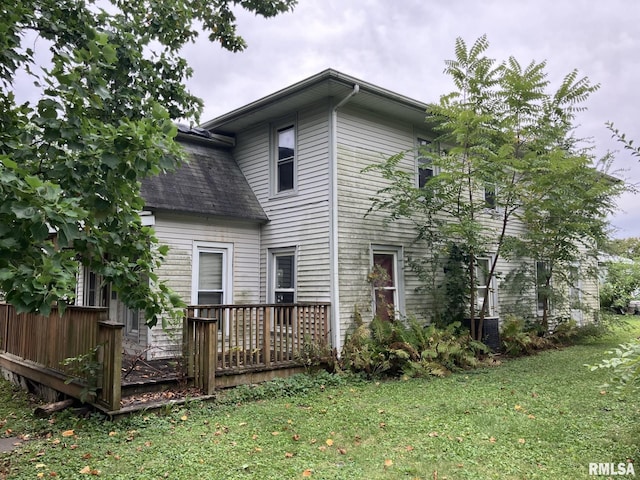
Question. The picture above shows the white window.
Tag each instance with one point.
(284, 158)
(426, 169)
(95, 291)
(385, 279)
(283, 275)
(212, 274)
(485, 287)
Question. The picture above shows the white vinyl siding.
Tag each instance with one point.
(179, 233)
(364, 139)
(301, 219)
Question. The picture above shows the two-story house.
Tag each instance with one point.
(272, 207)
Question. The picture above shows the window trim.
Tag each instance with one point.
(423, 142)
(226, 249)
(274, 253)
(275, 129)
(398, 263)
(492, 311)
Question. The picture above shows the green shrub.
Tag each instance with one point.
(516, 339)
(411, 349)
(625, 365)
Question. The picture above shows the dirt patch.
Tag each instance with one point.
(165, 396)
(138, 370)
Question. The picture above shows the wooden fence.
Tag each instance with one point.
(221, 339)
(36, 347)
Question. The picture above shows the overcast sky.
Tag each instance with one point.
(401, 45)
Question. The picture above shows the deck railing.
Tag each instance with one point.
(235, 338)
(36, 346)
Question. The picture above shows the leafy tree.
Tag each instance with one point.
(624, 247)
(72, 162)
(565, 220)
(620, 286)
(506, 145)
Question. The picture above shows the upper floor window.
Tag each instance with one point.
(426, 168)
(285, 158)
(490, 196)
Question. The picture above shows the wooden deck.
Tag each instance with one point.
(223, 345)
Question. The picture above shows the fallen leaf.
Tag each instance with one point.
(86, 456)
(433, 434)
(518, 408)
(306, 473)
(288, 455)
(184, 418)
(460, 439)
(329, 442)
(275, 433)
(388, 462)
(40, 475)
(254, 436)
(112, 434)
(492, 440)
(409, 448)
(67, 433)
(85, 470)
(296, 437)
(342, 451)
(258, 449)
(322, 448)
(521, 440)
(531, 416)
(382, 424)
(55, 441)
(242, 424)
(603, 392)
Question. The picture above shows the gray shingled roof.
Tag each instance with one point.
(211, 183)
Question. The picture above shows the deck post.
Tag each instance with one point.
(210, 355)
(266, 336)
(189, 342)
(110, 341)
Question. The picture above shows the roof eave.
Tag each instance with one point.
(324, 76)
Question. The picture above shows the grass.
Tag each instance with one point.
(538, 417)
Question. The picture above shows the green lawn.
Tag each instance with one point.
(545, 417)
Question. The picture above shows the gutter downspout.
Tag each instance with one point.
(336, 336)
